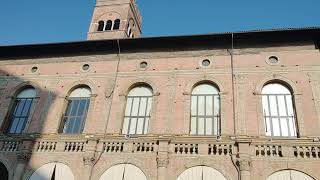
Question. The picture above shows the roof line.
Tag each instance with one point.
(174, 36)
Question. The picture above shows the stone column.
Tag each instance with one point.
(23, 159)
(88, 167)
(245, 171)
(244, 160)
(89, 158)
(162, 164)
(163, 159)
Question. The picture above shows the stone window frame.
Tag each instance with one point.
(297, 103)
(287, 107)
(130, 28)
(67, 100)
(187, 99)
(123, 101)
(271, 63)
(145, 117)
(219, 119)
(208, 66)
(64, 102)
(10, 101)
(106, 23)
(106, 16)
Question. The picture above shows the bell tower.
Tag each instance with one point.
(115, 19)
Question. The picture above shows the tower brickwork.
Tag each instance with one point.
(115, 19)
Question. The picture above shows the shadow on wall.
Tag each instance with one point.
(24, 105)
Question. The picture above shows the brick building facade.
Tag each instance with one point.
(229, 106)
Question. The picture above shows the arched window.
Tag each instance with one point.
(289, 175)
(108, 25)
(123, 172)
(137, 114)
(76, 111)
(21, 110)
(278, 111)
(116, 25)
(101, 26)
(53, 171)
(205, 110)
(3, 172)
(129, 30)
(201, 172)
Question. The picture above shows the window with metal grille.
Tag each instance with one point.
(205, 110)
(21, 110)
(76, 112)
(278, 111)
(137, 113)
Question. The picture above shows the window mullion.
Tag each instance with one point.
(20, 116)
(270, 119)
(84, 116)
(278, 113)
(137, 121)
(28, 113)
(76, 115)
(131, 107)
(145, 116)
(13, 115)
(213, 118)
(197, 114)
(287, 114)
(67, 116)
(205, 114)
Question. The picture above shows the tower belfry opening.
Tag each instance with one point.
(115, 19)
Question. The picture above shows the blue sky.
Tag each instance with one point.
(46, 21)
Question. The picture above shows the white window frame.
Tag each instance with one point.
(279, 111)
(200, 117)
(138, 111)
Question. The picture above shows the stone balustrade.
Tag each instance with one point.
(178, 146)
(45, 146)
(264, 150)
(221, 149)
(307, 151)
(10, 145)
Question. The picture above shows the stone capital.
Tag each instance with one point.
(244, 164)
(89, 160)
(24, 157)
(162, 162)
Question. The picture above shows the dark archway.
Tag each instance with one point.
(3, 172)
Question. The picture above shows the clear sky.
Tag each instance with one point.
(46, 21)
